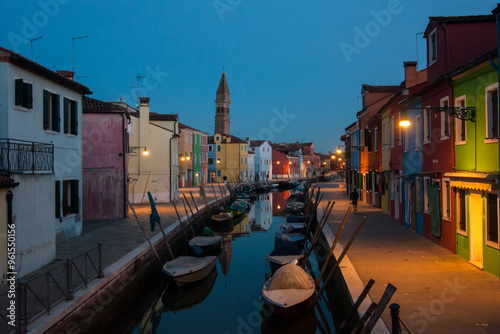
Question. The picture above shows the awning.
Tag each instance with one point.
(474, 181)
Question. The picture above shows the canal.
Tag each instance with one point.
(228, 300)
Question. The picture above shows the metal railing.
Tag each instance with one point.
(20, 156)
(38, 295)
(397, 321)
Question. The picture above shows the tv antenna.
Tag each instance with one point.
(137, 87)
(31, 41)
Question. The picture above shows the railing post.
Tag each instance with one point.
(33, 157)
(69, 280)
(100, 274)
(396, 328)
(23, 325)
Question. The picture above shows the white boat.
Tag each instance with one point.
(188, 269)
(206, 245)
(285, 253)
(288, 292)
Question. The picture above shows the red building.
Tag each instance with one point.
(104, 159)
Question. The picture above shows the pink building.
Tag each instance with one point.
(104, 155)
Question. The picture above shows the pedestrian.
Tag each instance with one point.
(354, 198)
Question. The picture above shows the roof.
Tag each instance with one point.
(158, 117)
(234, 139)
(7, 182)
(380, 89)
(462, 19)
(91, 105)
(223, 88)
(16, 59)
(184, 126)
(256, 143)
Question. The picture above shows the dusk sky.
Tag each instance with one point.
(294, 68)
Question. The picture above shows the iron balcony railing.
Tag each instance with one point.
(20, 156)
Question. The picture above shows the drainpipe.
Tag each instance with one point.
(174, 135)
(125, 176)
(447, 47)
(496, 13)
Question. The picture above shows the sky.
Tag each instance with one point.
(294, 68)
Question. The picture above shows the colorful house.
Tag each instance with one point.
(231, 158)
(192, 156)
(475, 179)
(154, 157)
(105, 159)
(353, 177)
(41, 149)
(262, 160)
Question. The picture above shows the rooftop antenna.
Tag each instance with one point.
(83, 76)
(137, 87)
(31, 41)
(416, 43)
(73, 50)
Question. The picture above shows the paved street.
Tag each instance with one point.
(439, 292)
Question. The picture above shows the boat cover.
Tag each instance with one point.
(205, 241)
(290, 277)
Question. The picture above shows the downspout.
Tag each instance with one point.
(125, 176)
(447, 47)
(9, 197)
(496, 13)
(170, 158)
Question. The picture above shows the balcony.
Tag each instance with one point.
(22, 157)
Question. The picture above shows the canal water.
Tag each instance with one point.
(228, 301)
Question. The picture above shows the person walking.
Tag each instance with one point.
(354, 198)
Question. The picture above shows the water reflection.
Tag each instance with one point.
(231, 304)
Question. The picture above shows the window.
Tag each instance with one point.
(461, 212)
(492, 111)
(242, 160)
(210, 148)
(204, 157)
(427, 185)
(219, 173)
(427, 125)
(375, 139)
(218, 148)
(445, 119)
(217, 137)
(432, 47)
(58, 199)
(492, 227)
(392, 131)
(446, 199)
(70, 203)
(70, 116)
(23, 94)
(185, 137)
(191, 138)
(460, 125)
(210, 160)
(418, 194)
(246, 160)
(51, 116)
(418, 131)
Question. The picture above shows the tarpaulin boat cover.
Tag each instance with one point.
(290, 277)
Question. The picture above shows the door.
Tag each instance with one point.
(396, 197)
(476, 229)
(412, 206)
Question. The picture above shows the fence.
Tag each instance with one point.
(19, 156)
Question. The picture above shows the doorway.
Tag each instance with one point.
(476, 229)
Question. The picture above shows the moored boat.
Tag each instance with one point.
(288, 292)
(297, 238)
(189, 269)
(283, 254)
(205, 245)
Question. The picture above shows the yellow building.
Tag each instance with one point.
(231, 157)
(153, 155)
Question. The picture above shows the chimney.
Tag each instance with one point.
(411, 75)
(67, 74)
(144, 128)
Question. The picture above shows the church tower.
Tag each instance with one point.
(222, 103)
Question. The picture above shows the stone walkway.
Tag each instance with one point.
(439, 292)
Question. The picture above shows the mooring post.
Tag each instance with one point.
(100, 274)
(396, 328)
(69, 279)
(23, 325)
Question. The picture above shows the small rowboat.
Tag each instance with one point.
(283, 254)
(294, 207)
(189, 269)
(297, 238)
(293, 227)
(223, 222)
(288, 292)
(203, 245)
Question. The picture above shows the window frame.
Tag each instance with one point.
(51, 111)
(23, 94)
(427, 126)
(445, 118)
(432, 47)
(70, 111)
(461, 231)
(427, 204)
(487, 241)
(489, 115)
(392, 132)
(70, 197)
(460, 122)
(446, 200)
(418, 133)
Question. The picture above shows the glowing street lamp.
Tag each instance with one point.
(405, 122)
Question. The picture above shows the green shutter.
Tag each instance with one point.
(28, 95)
(19, 92)
(75, 204)
(58, 199)
(46, 109)
(66, 115)
(74, 117)
(66, 184)
(56, 113)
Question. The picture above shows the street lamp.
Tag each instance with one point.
(405, 122)
(132, 149)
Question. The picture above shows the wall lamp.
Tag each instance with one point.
(132, 149)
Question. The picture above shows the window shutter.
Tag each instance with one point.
(58, 199)
(74, 117)
(28, 95)
(56, 114)
(65, 198)
(46, 109)
(75, 204)
(19, 92)
(66, 115)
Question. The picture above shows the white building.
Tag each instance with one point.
(263, 159)
(251, 165)
(41, 149)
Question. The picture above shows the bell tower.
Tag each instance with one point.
(222, 104)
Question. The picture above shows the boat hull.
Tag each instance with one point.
(195, 274)
(287, 313)
(208, 245)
